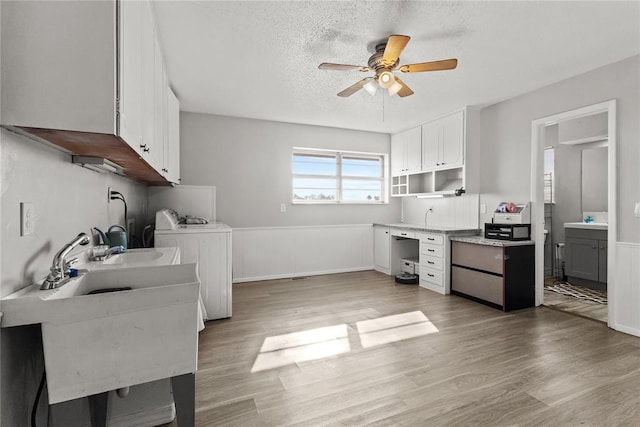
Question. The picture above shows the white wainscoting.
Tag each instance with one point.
(279, 252)
(627, 288)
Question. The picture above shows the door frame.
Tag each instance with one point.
(537, 194)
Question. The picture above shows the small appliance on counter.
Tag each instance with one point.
(510, 222)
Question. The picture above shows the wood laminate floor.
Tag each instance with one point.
(364, 361)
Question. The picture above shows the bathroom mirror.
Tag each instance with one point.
(594, 179)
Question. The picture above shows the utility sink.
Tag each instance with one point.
(137, 258)
(104, 341)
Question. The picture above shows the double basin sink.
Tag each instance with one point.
(95, 340)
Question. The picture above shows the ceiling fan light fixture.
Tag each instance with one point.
(371, 87)
(394, 88)
(386, 79)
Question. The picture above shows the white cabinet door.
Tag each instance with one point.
(406, 152)
(381, 244)
(413, 151)
(452, 141)
(398, 156)
(443, 142)
(157, 145)
(173, 137)
(130, 80)
(430, 145)
(148, 83)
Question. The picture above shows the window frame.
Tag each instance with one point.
(339, 155)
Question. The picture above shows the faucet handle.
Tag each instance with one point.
(69, 263)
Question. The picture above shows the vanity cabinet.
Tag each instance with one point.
(406, 152)
(586, 257)
(499, 274)
(87, 77)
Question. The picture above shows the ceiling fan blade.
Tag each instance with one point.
(445, 64)
(354, 88)
(330, 66)
(395, 46)
(405, 91)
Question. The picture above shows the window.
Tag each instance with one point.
(327, 176)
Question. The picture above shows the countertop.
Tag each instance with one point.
(479, 240)
(430, 229)
(587, 226)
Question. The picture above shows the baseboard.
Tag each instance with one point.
(625, 329)
(293, 275)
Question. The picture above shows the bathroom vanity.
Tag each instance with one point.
(586, 254)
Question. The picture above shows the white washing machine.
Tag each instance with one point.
(210, 246)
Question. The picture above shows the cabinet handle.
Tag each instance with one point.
(165, 170)
(602, 247)
(430, 262)
(386, 232)
(442, 163)
(146, 150)
(431, 250)
(593, 247)
(430, 238)
(430, 275)
(143, 145)
(403, 234)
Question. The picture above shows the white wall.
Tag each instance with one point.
(249, 162)
(68, 200)
(506, 136)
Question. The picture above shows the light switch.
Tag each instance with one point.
(283, 208)
(27, 219)
(636, 210)
(483, 208)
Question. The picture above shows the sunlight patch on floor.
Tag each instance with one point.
(394, 328)
(314, 344)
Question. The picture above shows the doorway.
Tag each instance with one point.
(561, 252)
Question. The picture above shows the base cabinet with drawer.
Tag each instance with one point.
(501, 275)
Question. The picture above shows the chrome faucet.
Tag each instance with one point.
(60, 267)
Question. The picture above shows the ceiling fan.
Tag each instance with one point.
(383, 62)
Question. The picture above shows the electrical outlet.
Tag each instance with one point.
(108, 194)
(27, 219)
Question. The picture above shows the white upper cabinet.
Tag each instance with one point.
(406, 152)
(172, 172)
(443, 142)
(59, 58)
(148, 84)
(88, 77)
(131, 73)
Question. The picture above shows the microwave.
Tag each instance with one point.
(507, 231)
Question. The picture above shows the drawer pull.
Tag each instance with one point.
(430, 262)
(430, 275)
(403, 234)
(431, 250)
(430, 238)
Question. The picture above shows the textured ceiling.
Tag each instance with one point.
(260, 59)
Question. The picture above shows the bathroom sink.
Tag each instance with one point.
(108, 340)
(137, 258)
(587, 225)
